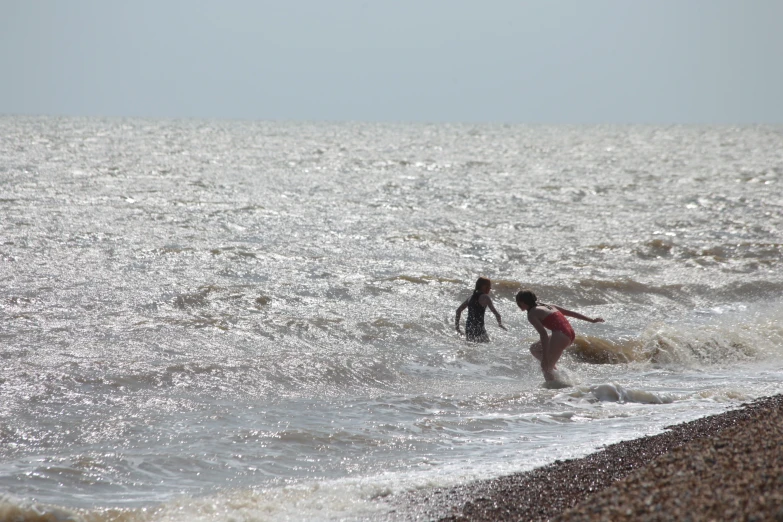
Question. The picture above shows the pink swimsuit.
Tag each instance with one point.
(557, 321)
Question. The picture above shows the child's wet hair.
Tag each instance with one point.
(481, 282)
(527, 297)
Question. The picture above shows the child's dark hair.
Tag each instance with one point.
(527, 297)
(481, 282)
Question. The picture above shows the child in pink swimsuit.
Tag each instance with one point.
(545, 317)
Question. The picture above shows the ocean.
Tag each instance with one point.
(240, 321)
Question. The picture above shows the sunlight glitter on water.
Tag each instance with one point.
(260, 315)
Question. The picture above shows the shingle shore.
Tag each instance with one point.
(723, 467)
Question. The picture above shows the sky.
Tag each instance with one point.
(510, 61)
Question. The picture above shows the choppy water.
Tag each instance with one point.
(207, 320)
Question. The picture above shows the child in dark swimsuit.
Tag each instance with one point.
(477, 305)
(545, 317)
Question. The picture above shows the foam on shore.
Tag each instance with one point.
(725, 466)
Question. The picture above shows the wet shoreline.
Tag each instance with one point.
(726, 466)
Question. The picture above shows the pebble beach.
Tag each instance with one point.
(722, 467)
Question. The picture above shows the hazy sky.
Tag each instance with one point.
(569, 61)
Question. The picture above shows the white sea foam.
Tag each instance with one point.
(613, 392)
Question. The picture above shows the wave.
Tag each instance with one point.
(626, 290)
(719, 342)
(309, 501)
(332, 355)
(14, 510)
(667, 345)
(595, 350)
(753, 290)
(630, 289)
(21, 511)
(424, 279)
(595, 292)
(613, 392)
(761, 252)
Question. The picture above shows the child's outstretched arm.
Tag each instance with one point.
(459, 314)
(577, 315)
(497, 314)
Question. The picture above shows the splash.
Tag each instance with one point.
(688, 345)
(563, 379)
(595, 350)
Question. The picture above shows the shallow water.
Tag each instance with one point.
(208, 320)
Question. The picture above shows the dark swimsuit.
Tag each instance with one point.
(557, 321)
(474, 325)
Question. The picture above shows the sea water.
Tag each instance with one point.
(226, 320)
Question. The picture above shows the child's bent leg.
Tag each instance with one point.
(558, 342)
